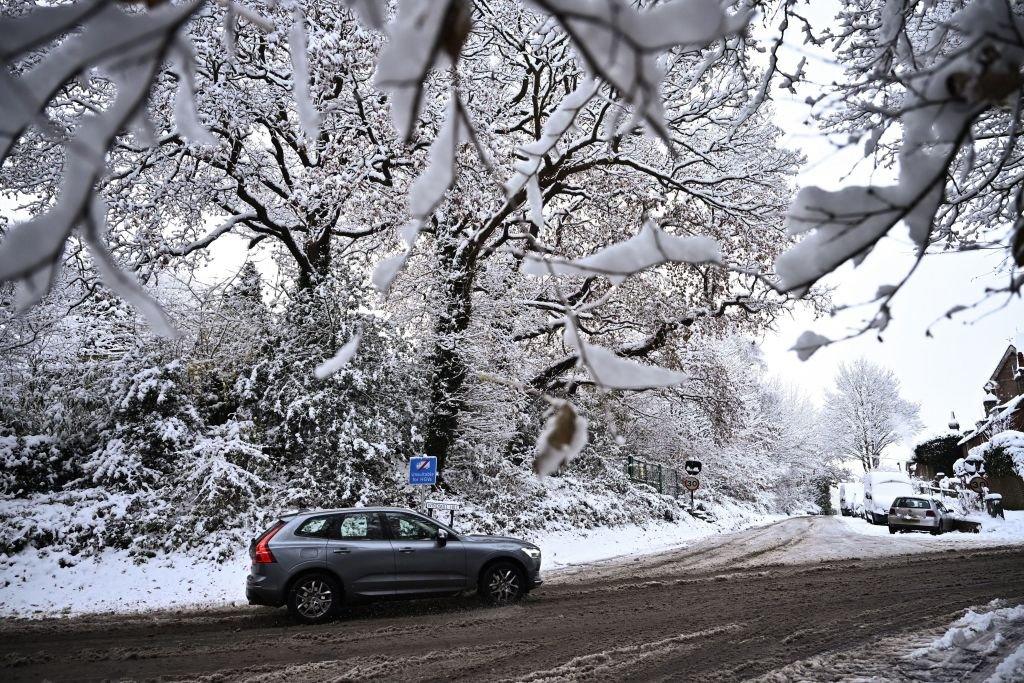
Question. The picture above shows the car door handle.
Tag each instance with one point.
(406, 551)
(342, 551)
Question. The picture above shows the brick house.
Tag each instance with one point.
(1004, 409)
(1004, 401)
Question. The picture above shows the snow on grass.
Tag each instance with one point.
(34, 584)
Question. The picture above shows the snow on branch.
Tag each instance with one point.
(941, 103)
(615, 372)
(423, 36)
(653, 246)
(560, 122)
(370, 12)
(309, 117)
(129, 49)
(429, 188)
(105, 33)
(340, 359)
(622, 45)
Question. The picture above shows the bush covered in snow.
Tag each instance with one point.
(1003, 453)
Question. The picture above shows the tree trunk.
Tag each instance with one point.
(447, 362)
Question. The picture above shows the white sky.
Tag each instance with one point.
(943, 373)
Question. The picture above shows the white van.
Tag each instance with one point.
(880, 490)
(851, 493)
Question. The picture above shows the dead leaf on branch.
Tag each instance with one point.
(564, 436)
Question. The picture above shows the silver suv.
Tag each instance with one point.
(314, 562)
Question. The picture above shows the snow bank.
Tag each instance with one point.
(44, 585)
(988, 634)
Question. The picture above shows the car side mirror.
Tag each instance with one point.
(442, 537)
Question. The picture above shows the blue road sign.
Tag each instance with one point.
(423, 470)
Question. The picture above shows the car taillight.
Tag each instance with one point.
(930, 513)
(261, 554)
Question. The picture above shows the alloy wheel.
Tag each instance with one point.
(313, 598)
(504, 585)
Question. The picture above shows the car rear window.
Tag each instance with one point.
(314, 526)
(917, 503)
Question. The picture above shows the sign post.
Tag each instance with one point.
(422, 472)
(450, 505)
(691, 484)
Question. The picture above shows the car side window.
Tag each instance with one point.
(358, 526)
(315, 527)
(408, 528)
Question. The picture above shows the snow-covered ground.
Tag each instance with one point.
(582, 546)
(112, 582)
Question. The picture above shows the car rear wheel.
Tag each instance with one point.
(892, 530)
(502, 584)
(314, 598)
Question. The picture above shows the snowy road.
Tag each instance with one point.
(774, 601)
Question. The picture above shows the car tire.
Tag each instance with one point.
(314, 598)
(892, 530)
(935, 532)
(502, 583)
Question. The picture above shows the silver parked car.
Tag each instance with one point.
(315, 562)
(911, 513)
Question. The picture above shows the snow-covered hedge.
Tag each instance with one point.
(1003, 453)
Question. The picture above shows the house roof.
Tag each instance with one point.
(1010, 352)
(999, 412)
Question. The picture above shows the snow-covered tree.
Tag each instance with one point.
(865, 413)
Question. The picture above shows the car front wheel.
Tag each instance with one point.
(314, 598)
(502, 584)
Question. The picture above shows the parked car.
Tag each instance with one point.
(315, 562)
(881, 488)
(911, 513)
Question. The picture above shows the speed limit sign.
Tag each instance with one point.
(691, 483)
